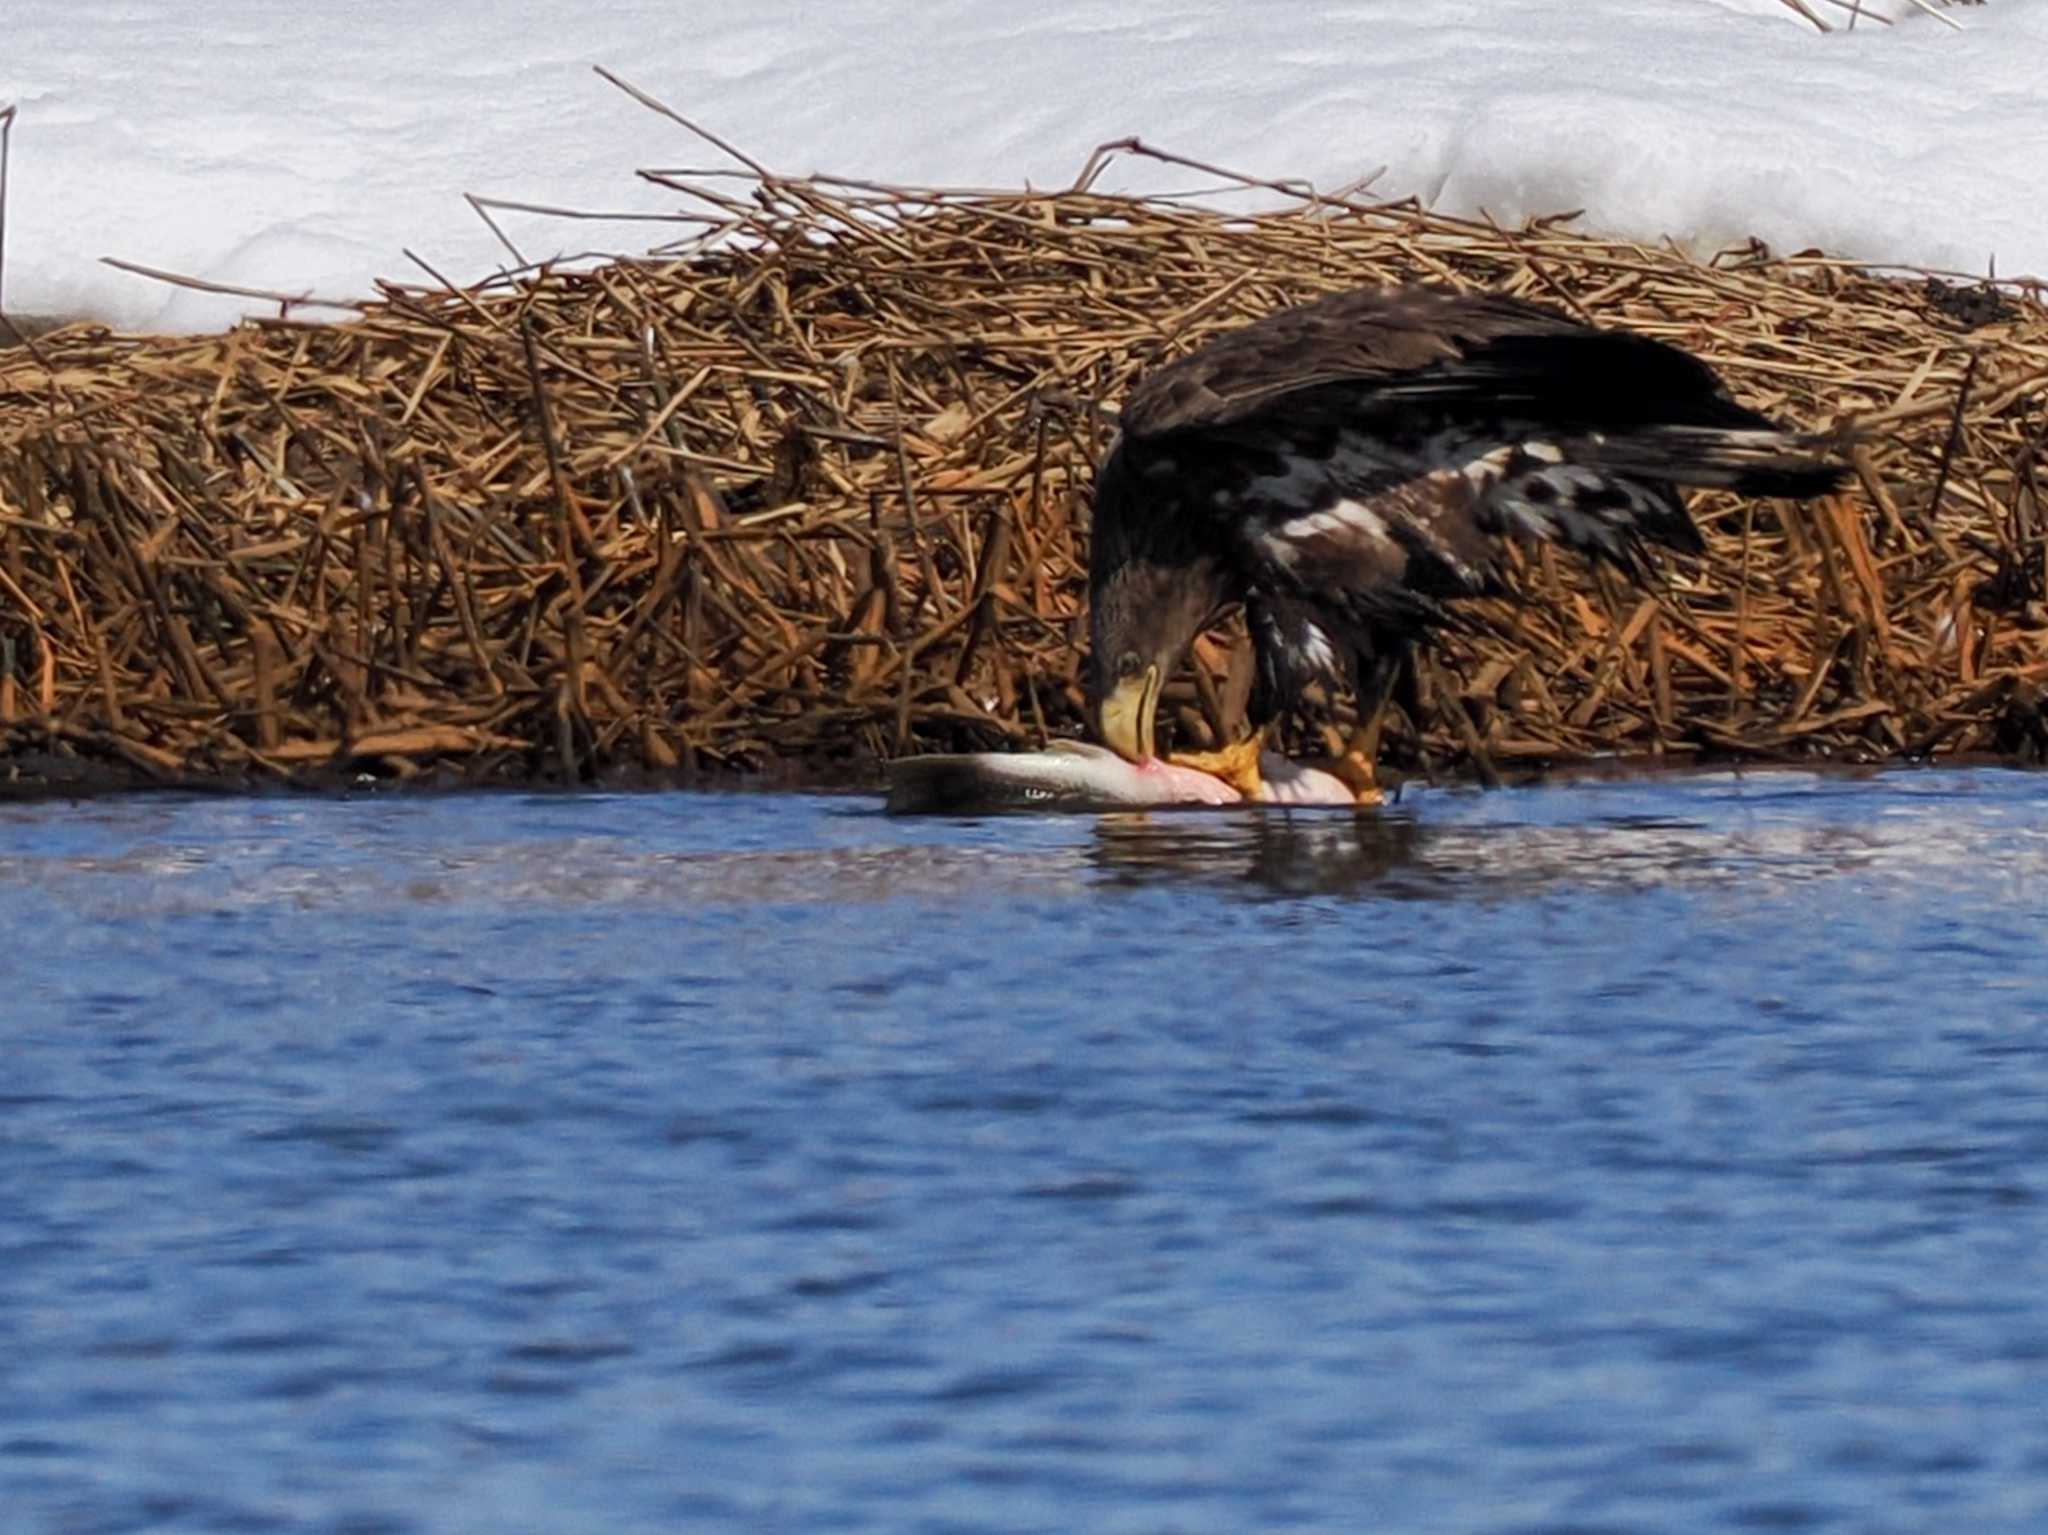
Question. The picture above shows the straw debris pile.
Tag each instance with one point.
(811, 490)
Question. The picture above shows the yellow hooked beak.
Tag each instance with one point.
(1127, 715)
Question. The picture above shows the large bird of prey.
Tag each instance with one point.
(1348, 467)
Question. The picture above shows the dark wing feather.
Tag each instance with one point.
(1365, 338)
(1628, 403)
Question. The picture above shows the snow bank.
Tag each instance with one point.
(304, 148)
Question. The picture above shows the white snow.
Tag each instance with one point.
(305, 147)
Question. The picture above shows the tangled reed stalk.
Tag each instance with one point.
(810, 490)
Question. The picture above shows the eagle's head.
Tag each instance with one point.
(1151, 588)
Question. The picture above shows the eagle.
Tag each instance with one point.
(1349, 468)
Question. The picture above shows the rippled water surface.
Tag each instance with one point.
(1616, 1156)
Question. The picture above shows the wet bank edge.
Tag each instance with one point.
(31, 774)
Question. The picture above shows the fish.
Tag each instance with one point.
(1079, 775)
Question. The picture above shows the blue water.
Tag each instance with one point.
(1661, 1155)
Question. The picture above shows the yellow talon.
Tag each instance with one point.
(1355, 769)
(1357, 765)
(1236, 764)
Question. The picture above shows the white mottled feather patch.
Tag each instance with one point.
(1315, 649)
(1343, 519)
(1488, 468)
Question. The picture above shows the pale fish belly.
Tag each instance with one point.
(1077, 775)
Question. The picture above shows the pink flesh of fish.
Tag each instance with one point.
(1174, 785)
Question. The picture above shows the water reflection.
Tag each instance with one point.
(148, 858)
(1755, 832)
(1326, 853)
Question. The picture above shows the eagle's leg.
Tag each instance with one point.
(1236, 764)
(1356, 769)
(1358, 764)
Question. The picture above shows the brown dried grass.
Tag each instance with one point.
(810, 489)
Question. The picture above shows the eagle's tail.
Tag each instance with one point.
(1613, 494)
(1613, 423)
(1758, 460)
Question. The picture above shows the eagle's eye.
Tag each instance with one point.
(1129, 664)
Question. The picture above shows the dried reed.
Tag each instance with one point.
(810, 489)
